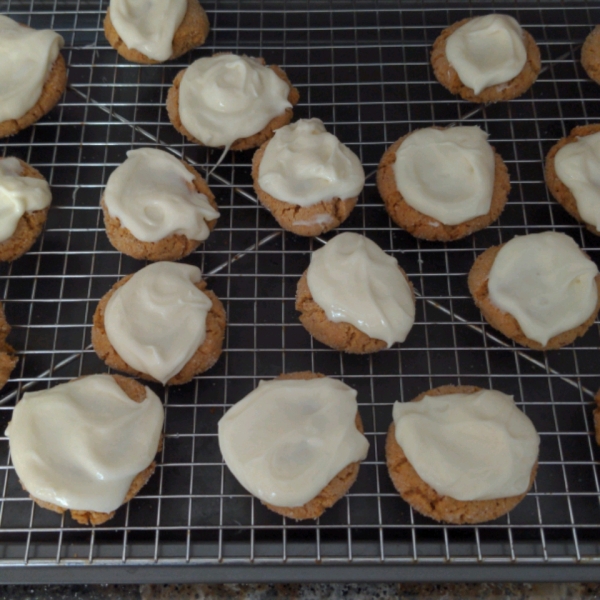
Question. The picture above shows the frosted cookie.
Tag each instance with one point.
(540, 290)
(354, 297)
(153, 31)
(443, 184)
(230, 101)
(157, 207)
(26, 99)
(86, 446)
(161, 324)
(486, 59)
(295, 443)
(461, 454)
(307, 178)
(24, 203)
(590, 54)
(8, 360)
(571, 175)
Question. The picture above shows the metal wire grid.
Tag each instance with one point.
(363, 68)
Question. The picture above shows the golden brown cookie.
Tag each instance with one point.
(192, 32)
(505, 322)
(136, 392)
(335, 489)
(8, 359)
(203, 359)
(424, 499)
(344, 337)
(51, 93)
(244, 143)
(173, 247)
(448, 77)
(302, 220)
(428, 228)
(561, 193)
(590, 54)
(29, 226)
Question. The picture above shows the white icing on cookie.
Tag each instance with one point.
(578, 166)
(26, 59)
(287, 439)
(304, 164)
(354, 281)
(18, 195)
(153, 195)
(447, 174)
(227, 97)
(79, 445)
(477, 446)
(486, 51)
(148, 26)
(157, 320)
(545, 282)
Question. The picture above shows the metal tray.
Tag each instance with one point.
(362, 67)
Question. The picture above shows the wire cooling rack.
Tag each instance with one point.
(362, 67)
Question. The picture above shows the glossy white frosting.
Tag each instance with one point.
(487, 51)
(157, 320)
(226, 97)
(354, 281)
(18, 195)
(476, 446)
(153, 195)
(287, 439)
(80, 444)
(447, 174)
(303, 164)
(26, 59)
(578, 166)
(545, 282)
(148, 26)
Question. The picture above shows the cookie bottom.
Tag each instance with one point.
(590, 54)
(505, 322)
(172, 247)
(448, 77)
(560, 192)
(243, 143)
(191, 33)
(307, 221)
(29, 226)
(136, 392)
(334, 490)
(203, 359)
(428, 228)
(51, 93)
(424, 499)
(8, 359)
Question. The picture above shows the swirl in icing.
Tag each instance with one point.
(157, 320)
(153, 195)
(80, 444)
(26, 59)
(578, 167)
(354, 281)
(18, 195)
(486, 51)
(545, 282)
(226, 97)
(304, 164)
(148, 26)
(447, 174)
(477, 446)
(287, 439)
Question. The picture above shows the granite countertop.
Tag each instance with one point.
(320, 591)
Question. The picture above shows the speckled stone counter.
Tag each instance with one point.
(321, 591)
